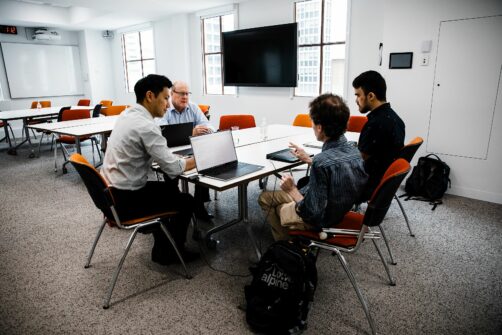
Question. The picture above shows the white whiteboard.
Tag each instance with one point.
(38, 70)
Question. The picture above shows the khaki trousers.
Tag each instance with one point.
(271, 203)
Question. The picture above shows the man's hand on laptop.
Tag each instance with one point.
(300, 153)
(200, 130)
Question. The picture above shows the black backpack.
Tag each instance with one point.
(279, 296)
(428, 180)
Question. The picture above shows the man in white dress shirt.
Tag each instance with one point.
(135, 142)
(182, 111)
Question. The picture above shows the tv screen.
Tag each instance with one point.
(264, 56)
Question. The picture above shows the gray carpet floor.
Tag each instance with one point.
(448, 276)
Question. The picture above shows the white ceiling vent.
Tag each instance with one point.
(44, 34)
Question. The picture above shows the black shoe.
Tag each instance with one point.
(203, 214)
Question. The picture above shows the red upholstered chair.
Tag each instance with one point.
(67, 115)
(84, 102)
(356, 123)
(241, 120)
(302, 120)
(348, 235)
(102, 196)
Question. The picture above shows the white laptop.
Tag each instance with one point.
(215, 156)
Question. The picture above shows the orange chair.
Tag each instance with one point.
(84, 102)
(37, 120)
(106, 103)
(43, 104)
(348, 235)
(242, 121)
(205, 110)
(102, 196)
(6, 126)
(407, 153)
(302, 120)
(66, 114)
(113, 110)
(356, 123)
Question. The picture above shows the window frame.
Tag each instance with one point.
(141, 59)
(322, 44)
(220, 52)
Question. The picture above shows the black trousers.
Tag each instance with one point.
(156, 197)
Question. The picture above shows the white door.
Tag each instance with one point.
(467, 80)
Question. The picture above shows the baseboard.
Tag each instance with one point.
(476, 194)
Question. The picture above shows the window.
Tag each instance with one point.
(321, 46)
(212, 55)
(139, 56)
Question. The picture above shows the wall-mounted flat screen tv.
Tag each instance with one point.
(264, 56)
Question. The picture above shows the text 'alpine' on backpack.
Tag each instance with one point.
(279, 296)
(429, 180)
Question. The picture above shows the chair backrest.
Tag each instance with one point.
(410, 149)
(302, 120)
(356, 123)
(43, 104)
(61, 111)
(204, 108)
(382, 197)
(243, 121)
(96, 111)
(74, 114)
(95, 183)
(106, 103)
(113, 110)
(84, 102)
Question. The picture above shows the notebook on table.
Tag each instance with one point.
(215, 157)
(284, 155)
(178, 135)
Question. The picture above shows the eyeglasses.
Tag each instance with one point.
(182, 93)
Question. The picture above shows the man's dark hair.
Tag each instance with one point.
(331, 113)
(152, 82)
(371, 81)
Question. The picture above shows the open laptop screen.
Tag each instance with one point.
(213, 149)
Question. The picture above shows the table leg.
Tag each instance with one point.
(241, 217)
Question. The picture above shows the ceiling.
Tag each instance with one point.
(96, 14)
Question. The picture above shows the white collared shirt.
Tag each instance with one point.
(136, 141)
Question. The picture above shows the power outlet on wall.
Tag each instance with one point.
(424, 61)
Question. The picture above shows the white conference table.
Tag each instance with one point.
(26, 114)
(255, 153)
(80, 128)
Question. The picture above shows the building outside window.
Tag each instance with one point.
(212, 53)
(139, 56)
(321, 46)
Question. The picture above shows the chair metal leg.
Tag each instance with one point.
(404, 214)
(352, 279)
(392, 282)
(91, 252)
(215, 195)
(108, 297)
(164, 229)
(388, 246)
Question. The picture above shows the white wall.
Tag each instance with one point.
(98, 75)
(406, 24)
